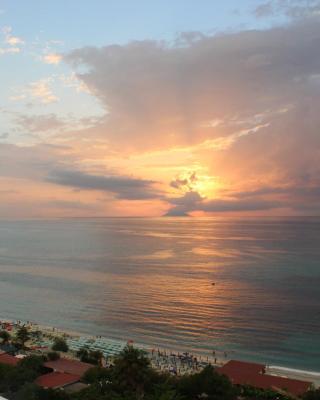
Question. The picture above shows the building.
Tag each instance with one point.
(244, 373)
(7, 359)
(64, 365)
(56, 380)
(64, 374)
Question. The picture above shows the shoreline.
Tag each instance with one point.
(287, 372)
(311, 376)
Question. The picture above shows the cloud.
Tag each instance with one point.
(53, 164)
(250, 96)
(10, 50)
(48, 125)
(239, 108)
(184, 181)
(290, 8)
(52, 58)
(192, 201)
(127, 188)
(158, 95)
(236, 205)
(8, 191)
(310, 191)
(9, 38)
(264, 10)
(72, 81)
(42, 91)
(40, 123)
(30, 162)
(298, 196)
(12, 43)
(73, 205)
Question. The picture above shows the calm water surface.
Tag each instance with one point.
(150, 280)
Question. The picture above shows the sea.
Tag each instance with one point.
(244, 288)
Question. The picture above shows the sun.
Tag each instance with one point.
(205, 185)
(194, 181)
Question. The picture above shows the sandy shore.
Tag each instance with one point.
(310, 376)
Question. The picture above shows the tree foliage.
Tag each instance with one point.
(5, 336)
(33, 363)
(312, 395)
(132, 370)
(60, 345)
(131, 378)
(250, 392)
(207, 384)
(31, 391)
(98, 374)
(12, 379)
(90, 356)
(22, 335)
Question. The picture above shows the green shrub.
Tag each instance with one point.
(60, 345)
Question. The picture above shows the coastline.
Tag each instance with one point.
(292, 373)
(311, 376)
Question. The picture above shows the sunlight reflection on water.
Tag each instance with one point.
(251, 287)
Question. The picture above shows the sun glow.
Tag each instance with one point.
(206, 186)
(195, 181)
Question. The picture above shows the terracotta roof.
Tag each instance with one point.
(56, 380)
(8, 359)
(234, 366)
(242, 373)
(69, 366)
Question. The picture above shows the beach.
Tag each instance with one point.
(177, 362)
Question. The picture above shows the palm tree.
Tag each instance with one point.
(132, 370)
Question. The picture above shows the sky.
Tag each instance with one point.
(159, 108)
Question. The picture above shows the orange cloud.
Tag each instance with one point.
(210, 124)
